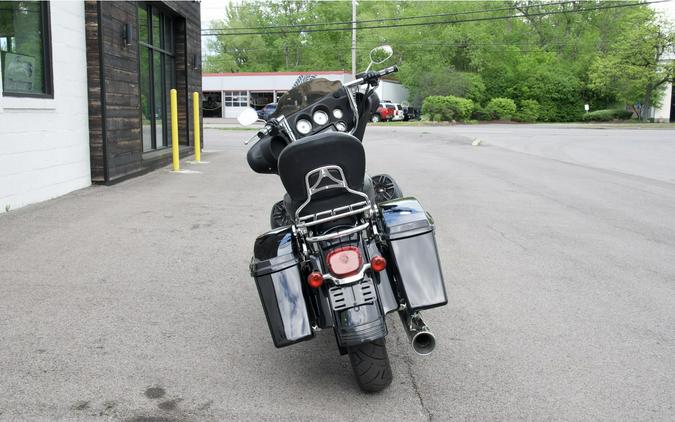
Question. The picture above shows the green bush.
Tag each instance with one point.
(479, 113)
(501, 108)
(447, 108)
(528, 111)
(606, 115)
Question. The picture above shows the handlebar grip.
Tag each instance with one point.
(388, 70)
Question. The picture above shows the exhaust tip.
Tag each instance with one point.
(423, 343)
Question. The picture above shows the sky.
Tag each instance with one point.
(211, 10)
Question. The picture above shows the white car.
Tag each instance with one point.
(398, 111)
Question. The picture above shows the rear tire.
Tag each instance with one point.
(370, 363)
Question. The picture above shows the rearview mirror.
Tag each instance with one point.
(380, 54)
(247, 117)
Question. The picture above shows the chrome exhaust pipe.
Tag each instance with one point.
(422, 340)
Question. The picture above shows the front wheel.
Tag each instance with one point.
(386, 188)
(370, 363)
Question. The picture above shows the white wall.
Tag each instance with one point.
(392, 91)
(662, 114)
(263, 81)
(44, 143)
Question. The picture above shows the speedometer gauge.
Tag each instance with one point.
(320, 117)
(303, 126)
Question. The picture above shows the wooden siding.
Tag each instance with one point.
(116, 147)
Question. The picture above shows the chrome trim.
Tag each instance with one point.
(284, 124)
(334, 214)
(324, 173)
(348, 280)
(422, 339)
(338, 234)
(355, 110)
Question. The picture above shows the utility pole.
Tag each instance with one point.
(353, 39)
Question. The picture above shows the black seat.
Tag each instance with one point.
(320, 150)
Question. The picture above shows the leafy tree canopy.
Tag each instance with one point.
(564, 59)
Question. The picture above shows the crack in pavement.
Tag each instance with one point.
(409, 366)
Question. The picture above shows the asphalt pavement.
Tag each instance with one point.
(133, 302)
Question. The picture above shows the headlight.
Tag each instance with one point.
(303, 126)
(341, 126)
(320, 117)
(337, 113)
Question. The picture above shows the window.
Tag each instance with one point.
(236, 99)
(157, 75)
(25, 52)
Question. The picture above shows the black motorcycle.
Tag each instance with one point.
(345, 249)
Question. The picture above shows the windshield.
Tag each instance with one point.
(305, 94)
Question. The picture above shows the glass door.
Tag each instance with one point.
(157, 75)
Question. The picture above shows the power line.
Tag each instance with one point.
(469, 12)
(483, 19)
(420, 45)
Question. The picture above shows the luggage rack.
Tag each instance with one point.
(338, 181)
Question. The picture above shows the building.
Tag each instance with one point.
(665, 112)
(227, 94)
(84, 92)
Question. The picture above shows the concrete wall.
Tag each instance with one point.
(44, 143)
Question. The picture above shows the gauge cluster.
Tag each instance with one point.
(331, 112)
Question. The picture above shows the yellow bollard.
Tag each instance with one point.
(174, 131)
(195, 111)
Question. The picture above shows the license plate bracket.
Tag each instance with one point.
(345, 297)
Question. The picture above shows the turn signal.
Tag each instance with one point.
(378, 263)
(315, 280)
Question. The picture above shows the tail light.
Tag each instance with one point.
(315, 280)
(378, 263)
(344, 261)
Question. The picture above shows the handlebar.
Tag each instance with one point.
(262, 132)
(372, 76)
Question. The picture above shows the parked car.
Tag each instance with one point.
(266, 112)
(398, 112)
(383, 113)
(411, 113)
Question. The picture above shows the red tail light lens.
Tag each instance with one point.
(344, 261)
(315, 280)
(378, 263)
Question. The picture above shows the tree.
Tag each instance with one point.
(634, 70)
(560, 54)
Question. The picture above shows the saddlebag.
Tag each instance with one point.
(277, 275)
(409, 231)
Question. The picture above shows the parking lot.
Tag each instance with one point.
(134, 302)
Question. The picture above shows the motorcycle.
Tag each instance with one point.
(345, 249)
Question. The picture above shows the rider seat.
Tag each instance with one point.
(320, 150)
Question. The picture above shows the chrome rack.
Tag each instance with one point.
(338, 181)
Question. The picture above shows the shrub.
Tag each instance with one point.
(529, 111)
(447, 108)
(479, 113)
(501, 108)
(606, 115)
